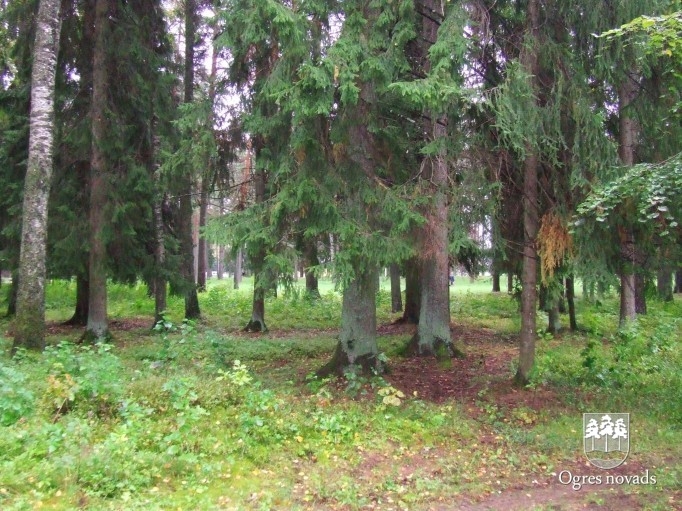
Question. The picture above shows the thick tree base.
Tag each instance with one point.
(520, 381)
(312, 295)
(90, 337)
(255, 325)
(442, 349)
(76, 320)
(406, 319)
(340, 364)
(192, 310)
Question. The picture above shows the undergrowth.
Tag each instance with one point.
(200, 416)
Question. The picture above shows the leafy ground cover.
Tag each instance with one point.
(203, 416)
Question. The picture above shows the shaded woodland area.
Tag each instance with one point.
(349, 159)
(341, 138)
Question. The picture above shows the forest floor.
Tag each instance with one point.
(480, 384)
(207, 417)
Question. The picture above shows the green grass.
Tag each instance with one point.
(206, 417)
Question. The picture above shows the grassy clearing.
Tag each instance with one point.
(206, 417)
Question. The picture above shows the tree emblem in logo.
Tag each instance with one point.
(606, 438)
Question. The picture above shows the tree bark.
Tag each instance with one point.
(640, 293)
(311, 259)
(570, 298)
(80, 315)
(260, 280)
(554, 317)
(496, 281)
(206, 181)
(433, 332)
(678, 281)
(357, 348)
(202, 252)
(238, 269)
(664, 284)
(413, 293)
(529, 60)
(192, 310)
(396, 294)
(29, 324)
(626, 151)
(160, 288)
(257, 321)
(529, 274)
(97, 326)
(221, 263)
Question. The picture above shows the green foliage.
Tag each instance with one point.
(640, 363)
(83, 377)
(16, 399)
(661, 43)
(201, 416)
(646, 193)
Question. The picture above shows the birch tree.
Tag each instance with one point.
(29, 328)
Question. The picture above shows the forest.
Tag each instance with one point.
(460, 219)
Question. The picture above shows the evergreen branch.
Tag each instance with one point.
(229, 188)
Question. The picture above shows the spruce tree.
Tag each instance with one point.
(97, 326)
(185, 210)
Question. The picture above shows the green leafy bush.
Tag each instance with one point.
(86, 377)
(16, 400)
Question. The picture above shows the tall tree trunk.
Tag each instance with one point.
(357, 347)
(664, 283)
(628, 310)
(220, 269)
(496, 281)
(570, 298)
(260, 280)
(97, 327)
(640, 293)
(678, 281)
(202, 255)
(221, 262)
(510, 282)
(29, 324)
(529, 60)
(238, 268)
(413, 292)
(80, 315)
(311, 259)
(192, 310)
(433, 332)
(396, 294)
(207, 179)
(159, 279)
(257, 321)
(529, 273)
(160, 292)
(626, 151)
